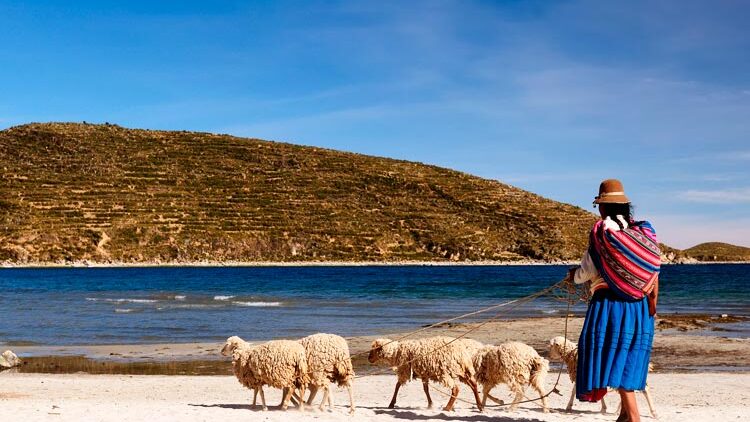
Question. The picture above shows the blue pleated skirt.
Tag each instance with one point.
(615, 346)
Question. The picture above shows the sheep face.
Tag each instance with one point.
(380, 349)
(558, 346)
(231, 344)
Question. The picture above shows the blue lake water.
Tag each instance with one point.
(151, 305)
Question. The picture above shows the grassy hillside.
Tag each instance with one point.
(104, 193)
(717, 251)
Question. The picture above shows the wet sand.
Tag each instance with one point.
(682, 343)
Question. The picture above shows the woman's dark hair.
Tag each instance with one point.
(613, 210)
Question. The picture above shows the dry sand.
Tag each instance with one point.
(79, 397)
(716, 388)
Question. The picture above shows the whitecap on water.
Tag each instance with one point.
(122, 300)
(258, 304)
(220, 297)
(123, 311)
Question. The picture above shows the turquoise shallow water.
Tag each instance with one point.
(151, 305)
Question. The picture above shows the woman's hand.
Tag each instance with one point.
(568, 281)
(653, 297)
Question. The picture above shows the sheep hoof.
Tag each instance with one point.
(265, 408)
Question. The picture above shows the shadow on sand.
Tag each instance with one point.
(400, 414)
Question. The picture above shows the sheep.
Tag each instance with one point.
(279, 363)
(472, 347)
(441, 359)
(561, 349)
(514, 364)
(328, 360)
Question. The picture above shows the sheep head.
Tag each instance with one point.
(559, 347)
(231, 344)
(382, 349)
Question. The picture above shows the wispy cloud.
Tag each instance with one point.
(726, 196)
(684, 231)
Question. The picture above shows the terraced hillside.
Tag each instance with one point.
(103, 193)
(717, 251)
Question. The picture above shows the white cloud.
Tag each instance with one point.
(725, 196)
(685, 231)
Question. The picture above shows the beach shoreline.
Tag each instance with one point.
(683, 343)
(252, 264)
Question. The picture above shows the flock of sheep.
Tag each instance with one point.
(316, 361)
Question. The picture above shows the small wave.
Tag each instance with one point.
(125, 300)
(179, 297)
(257, 304)
(220, 297)
(194, 306)
(123, 311)
(549, 311)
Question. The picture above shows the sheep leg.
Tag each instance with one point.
(283, 394)
(395, 393)
(330, 398)
(287, 395)
(495, 399)
(454, 395)
(313, 392)
(475, 390)
(543, 398)
(569, 408)
(301, 394)
(426, 387)
(326, 398)
(651, 407)
(517, 399)
(351, 398)
(262, 398)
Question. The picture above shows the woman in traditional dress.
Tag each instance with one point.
(621, 268)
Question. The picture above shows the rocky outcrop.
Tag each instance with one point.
(9, 360)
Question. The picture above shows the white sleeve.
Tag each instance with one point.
(586, 271)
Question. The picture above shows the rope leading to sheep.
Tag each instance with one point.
(517, 302)
(569, 297)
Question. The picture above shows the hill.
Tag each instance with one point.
(717, 251)
(103, 193)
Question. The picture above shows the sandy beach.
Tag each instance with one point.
(683, 343)
(37, 397)
(701, 372)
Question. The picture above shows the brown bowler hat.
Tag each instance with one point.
(611, 192)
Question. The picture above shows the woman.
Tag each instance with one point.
(621, 267)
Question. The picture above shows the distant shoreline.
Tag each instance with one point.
(238, 264)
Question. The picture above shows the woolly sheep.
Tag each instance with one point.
(514, 364)
(472, 347)
(279, 363)
(328, 360)
(561, 349)
(440, 359)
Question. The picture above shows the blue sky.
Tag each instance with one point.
(548, 96)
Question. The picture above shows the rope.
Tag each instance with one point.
(516, 302)
(571, 296)
(559, 374)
